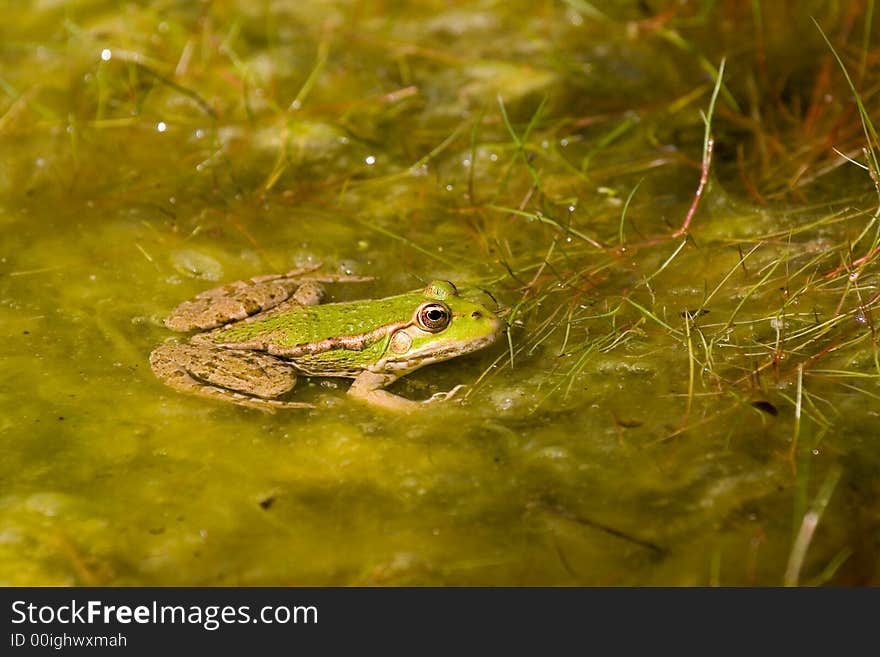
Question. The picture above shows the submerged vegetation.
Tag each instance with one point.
(676, 206)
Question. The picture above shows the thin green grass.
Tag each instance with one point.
(808, 526)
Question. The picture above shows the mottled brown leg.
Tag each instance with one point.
(241, 299)
(242, 378)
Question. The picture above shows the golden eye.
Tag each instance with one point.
(433, 317)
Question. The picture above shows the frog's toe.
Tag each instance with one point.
(445, 396)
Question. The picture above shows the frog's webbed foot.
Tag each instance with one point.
(242, 378)
(310, 274)
(369, 387)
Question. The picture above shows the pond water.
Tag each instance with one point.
(667, 406)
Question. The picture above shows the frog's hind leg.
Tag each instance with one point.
(243, 378)
(242, 299)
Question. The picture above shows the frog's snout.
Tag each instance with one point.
(498, 325)
(495, 323)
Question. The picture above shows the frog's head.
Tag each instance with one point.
(444, 325)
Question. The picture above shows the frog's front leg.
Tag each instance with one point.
(241, 377)
(369, 387)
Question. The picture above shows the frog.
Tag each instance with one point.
(253, 339)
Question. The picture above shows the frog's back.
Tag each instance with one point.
(332, 324)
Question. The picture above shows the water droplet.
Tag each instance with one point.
(370, 160)
(106, 54)
(161, 126)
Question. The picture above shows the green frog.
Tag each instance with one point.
(257, 335)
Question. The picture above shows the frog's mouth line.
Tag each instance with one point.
(411, 361)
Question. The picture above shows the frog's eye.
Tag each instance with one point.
(433, 317)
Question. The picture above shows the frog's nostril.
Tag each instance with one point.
(476, 314)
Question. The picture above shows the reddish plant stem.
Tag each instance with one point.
(704, 176)
(856, 264)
